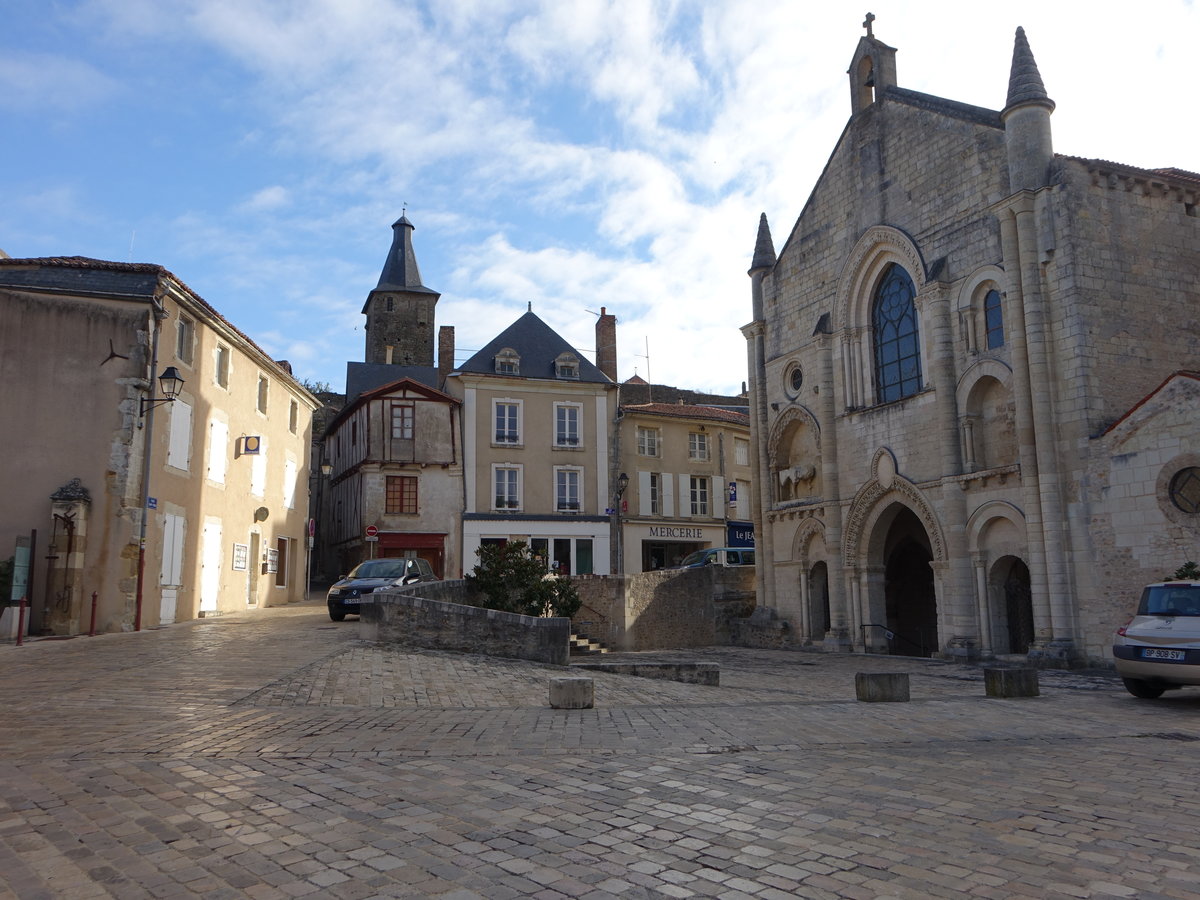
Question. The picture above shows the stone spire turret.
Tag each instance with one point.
(1026, 118)
(764, 259)
(400, 311)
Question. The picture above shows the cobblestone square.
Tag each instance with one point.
(275, 755)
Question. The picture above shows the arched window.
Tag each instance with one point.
(897, 344)
(993, 320)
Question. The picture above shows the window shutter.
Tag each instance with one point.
(668, 494)
(644, 494)
(685, 496)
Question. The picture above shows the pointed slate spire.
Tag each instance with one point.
(764, 249)
(1025, 81)
(400, 272)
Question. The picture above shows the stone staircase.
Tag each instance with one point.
(582, 645)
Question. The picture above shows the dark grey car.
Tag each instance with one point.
(373, 575)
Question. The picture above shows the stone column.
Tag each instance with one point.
(968, 442)
(839, 638)
(982, 602)
(805, 604)
(764, 557)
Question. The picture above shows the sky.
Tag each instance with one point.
(569, 154)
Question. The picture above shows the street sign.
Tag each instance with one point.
(312, 527)
(371, 537)
(372, 531)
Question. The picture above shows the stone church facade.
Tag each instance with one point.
(974, 387)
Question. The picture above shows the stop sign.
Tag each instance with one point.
(372, 531)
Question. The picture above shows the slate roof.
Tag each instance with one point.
(400, 272)
(539, 346)
(401, 382)
(86, 277)
(363, 377)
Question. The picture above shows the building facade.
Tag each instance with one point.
(219, 470)
(973, 389)
(395, 482)
(687, 483)
(537, 425)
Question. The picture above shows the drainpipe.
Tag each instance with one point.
(158, 313)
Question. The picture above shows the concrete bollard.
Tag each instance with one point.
(1011, 682)
(571, 693)
(881, 687)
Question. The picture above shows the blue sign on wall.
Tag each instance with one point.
(739, 534)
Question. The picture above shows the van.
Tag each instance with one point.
(718, 556)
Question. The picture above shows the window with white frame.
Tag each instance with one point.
(741, 452)
(179, 445)
(647, 441)
(402, 421)
(507, 417)
(506, 481)
(698, 445)
(185, 340)
(566, 425)
(221, 366)
(699, 496)
(566, 490)
(655, 494)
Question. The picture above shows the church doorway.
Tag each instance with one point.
(910, 600)
(1013, 614)
(818, 601)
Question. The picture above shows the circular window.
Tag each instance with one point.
(793, 380)
(1185, 490)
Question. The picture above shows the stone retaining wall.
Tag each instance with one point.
(426, 616)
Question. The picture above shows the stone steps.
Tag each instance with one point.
(582, 645)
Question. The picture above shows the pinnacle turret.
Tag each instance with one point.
(1025, 81)
(764, 249)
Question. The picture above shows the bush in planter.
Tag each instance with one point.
(512, 579)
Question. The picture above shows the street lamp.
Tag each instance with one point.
(622, 483)
(171, 383)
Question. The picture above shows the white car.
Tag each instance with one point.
(1159, 648)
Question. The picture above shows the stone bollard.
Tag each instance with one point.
(1011, 682)
(571, 693)
(881, 687)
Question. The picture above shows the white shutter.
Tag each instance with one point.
(644, 494)
(179, 447)
(716, 502)
(210, 566)
(218, 450)
(667, 483)
(258, 470)
(289, 484)
(685, 497)
(172, 549)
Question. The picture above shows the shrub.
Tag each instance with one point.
(512, 579)
(1189, 571)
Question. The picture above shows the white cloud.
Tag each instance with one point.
(44, 82)
(268, 199)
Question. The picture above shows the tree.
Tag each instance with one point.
(1189, 571)
(513, 580)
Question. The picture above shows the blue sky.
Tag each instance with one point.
(572, 155)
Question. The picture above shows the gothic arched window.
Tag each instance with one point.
(897, 343)
(993, 320)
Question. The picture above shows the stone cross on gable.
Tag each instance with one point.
(867, 24)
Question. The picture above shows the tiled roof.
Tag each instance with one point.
(687, 411)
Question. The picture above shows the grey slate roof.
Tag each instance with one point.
(363, 377)
(83, 276)
(400, 272)
(538, 345)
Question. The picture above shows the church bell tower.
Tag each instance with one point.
(400, 311)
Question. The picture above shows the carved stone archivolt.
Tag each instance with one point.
(875, 249)
(870, 502)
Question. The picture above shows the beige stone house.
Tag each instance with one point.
(973, 382)
(220, 470)
(687, 482)
(537, 420)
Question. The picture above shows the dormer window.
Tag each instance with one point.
(567, 366)
(508, 362)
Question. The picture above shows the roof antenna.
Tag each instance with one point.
(530, 309)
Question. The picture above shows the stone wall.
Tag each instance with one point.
(427, 616)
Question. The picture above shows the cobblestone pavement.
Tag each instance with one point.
(275, 755)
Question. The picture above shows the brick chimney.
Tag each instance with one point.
(445, 353)
(606, 344)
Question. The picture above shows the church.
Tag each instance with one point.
(975, 382)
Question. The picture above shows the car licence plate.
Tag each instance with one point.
(1155, 653)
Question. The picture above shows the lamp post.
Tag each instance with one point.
(622, 483)
(171, 383)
